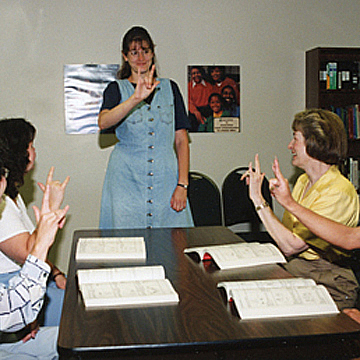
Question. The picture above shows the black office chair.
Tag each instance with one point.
(239, 211)
(205, 200)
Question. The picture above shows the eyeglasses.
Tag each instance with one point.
(145, 53)
(4, 172)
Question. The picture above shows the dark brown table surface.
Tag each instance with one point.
(200, 326)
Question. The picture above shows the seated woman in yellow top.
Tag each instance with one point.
(333, 232)
(318, 146)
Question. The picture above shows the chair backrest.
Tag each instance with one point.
(237, 205)
(205, 200)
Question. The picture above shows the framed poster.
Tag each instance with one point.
(214, 98)
(83, 87)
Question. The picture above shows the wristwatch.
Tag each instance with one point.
(183, 186)
(262, 206)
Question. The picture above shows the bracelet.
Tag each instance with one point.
(52, 277)
(262, 206)
(183, 186)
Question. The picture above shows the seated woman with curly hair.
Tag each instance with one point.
(17, 232)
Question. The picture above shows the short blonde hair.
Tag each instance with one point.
(324, 134)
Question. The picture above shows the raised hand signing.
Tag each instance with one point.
(57, 189)
(279, 186)
(254, 179)
(146, 84)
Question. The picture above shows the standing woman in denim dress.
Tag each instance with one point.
(146, 180)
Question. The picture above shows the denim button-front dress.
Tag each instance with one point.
(142, 172)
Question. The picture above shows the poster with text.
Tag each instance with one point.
(214, 98)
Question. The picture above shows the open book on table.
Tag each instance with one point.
(278, 298)
(126, 287)
(131, 249)
(231, 256)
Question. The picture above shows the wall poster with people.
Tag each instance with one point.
(214, 98)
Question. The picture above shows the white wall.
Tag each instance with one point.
(268, 38)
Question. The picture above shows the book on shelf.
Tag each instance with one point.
(355, 75)
(130, 249)
(339, 75)
(350, 115)
(125, 287)
(351, 123)
(354, 172)
(278, 298)
(238, 255)
(331, 75)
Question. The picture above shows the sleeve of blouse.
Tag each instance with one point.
(181, 118)
(335, 204)
(11, 220)
(21, 301)
(111, 96)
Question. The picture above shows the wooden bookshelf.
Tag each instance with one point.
(347, 92)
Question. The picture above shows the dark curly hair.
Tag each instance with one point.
(15, 136)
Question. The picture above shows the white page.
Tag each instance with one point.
(247, 255)
(111, 248)
(283, 301)
(130, 293)
(201, 250)
(241, 254)
(260, 284)
(86, 276)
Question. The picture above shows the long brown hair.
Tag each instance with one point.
(137, 34)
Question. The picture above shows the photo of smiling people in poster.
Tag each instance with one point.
(214, 98)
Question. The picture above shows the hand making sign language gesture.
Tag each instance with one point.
(254, 179)
(145, 84)
(48, 222)
(56, 189)
(285, 239)
(279, 186)
(54, 198)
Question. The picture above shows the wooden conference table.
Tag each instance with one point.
(200, 326)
